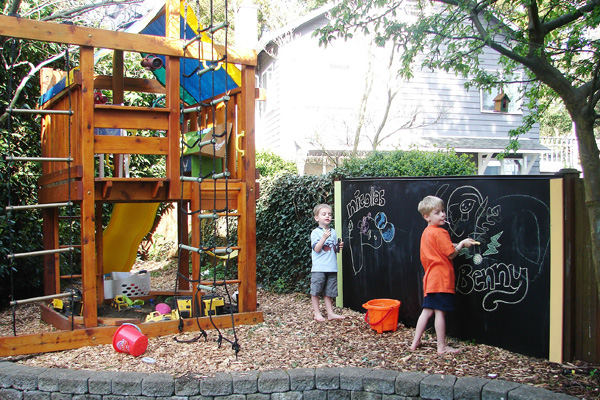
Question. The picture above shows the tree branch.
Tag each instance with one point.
(26, 79)
(568, 18)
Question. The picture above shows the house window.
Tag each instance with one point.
(514, 92)
(267, 83)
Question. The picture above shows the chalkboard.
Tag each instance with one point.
(502, 286)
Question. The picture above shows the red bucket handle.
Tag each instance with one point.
(375, 323)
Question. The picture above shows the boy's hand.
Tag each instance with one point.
(327, 233)
(468, 242)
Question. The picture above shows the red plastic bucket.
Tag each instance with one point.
(382, 314)
(130, 339)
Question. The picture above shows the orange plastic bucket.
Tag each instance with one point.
(382, 314)
(130, 339)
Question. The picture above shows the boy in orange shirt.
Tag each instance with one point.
(437, 252)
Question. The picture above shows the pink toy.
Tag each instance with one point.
(163, 308)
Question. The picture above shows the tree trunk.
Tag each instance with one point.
(590, 163)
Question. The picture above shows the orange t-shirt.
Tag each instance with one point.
(436, 246)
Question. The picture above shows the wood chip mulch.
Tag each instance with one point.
(291, 338)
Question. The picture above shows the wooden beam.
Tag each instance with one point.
(67, 340)
(130, 145)
(124, 117)
(82, 36)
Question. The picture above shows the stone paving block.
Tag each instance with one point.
(327, 378)
(172, 398)
(497, 389)
(526, 392)
(21, 376)
(11, 394)
(258, 396)
(315, 395)
(294, 395)
(273, 381)
(100, 382)
(6, 374)
(302, 378)
(245, 382)
(380, 381)
(409, 383)
(392, 397)
(158, 385)
(188, 385)
(67, 396)
(48, 380)
(200, 397)
(361, 395)
(469, 388)
(351, 378)
(232, 397)
(128, 383)
(74, 381)
(86, 396)
(36, 395)
(438, 387)
(339, 394)
(221, 384)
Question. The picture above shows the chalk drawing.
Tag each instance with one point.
(471, 214)
(371, 231)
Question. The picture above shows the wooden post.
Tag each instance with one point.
(118, 78)
(247, 264)
(172, 100)
(51, 261)
(88, 226)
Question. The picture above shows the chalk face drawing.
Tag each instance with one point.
(372, 229)
(471, 214)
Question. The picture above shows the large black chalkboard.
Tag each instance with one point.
(503, 285)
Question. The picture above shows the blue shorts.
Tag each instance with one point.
(323, 284)
(439, 301)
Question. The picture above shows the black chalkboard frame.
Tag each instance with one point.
(536, 330)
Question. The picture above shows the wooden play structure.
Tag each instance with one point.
(70, 148)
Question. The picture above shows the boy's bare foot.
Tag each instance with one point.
(448, 350)
(335, 316)
(319, 317)
(415, 346)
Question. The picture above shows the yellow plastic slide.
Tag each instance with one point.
(128, 225)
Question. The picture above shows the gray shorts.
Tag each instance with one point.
(323, 284)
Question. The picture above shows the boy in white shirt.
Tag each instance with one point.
(323, 241)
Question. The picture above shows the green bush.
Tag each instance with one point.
(284, 217)
(406, 163)
(269, 164)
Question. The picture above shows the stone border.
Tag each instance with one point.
(20, 382)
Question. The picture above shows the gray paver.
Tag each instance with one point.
(438, 387)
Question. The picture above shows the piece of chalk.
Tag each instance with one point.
(474, 242)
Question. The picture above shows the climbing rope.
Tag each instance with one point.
(211, 244)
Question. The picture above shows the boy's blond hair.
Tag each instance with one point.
(430, 203)
(318, 208)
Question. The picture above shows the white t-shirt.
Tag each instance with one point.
(326, 259)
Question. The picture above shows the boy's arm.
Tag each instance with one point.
(468, 242)
(319, 245)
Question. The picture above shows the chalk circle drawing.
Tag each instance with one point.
(372, 232)
(470, 214)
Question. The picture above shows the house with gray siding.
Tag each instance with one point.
(316, 98)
